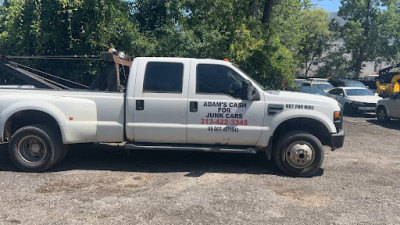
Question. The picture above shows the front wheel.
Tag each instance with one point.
(299, 154)
(35, 148)
(381, 115)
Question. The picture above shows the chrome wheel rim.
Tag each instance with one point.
(300, 154)
(381, 115)
(32, 149)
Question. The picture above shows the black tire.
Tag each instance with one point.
(63, 153)
(302, 166)
(35, 148)
(381, 115)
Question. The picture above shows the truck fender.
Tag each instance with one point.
(284, 116)
(71, 132)
(32, 105)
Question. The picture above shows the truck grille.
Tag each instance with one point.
(370, 104)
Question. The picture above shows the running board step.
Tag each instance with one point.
(202, 148)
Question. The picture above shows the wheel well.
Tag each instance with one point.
(29, 117)
(380, 107)
(312, 126)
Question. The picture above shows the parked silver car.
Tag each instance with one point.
(388, 108)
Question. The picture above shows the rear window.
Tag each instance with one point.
(355, 84)
(324, 86)
(163, 77)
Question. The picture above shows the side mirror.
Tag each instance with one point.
(249, 92)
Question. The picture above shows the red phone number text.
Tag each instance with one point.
(224, 122)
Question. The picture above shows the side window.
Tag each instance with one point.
(218, 79)
(334, 92)
(163, 77)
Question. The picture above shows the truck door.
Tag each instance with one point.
(160, 101)
(216, 114)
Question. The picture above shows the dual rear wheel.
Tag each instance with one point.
(36, 148)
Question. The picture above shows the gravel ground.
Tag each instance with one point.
(359, 184)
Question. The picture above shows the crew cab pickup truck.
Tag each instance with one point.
(173, 104)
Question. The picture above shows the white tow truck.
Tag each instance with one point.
(173, 104)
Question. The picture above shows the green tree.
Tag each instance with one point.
(63, 27)
(267, 48)
(334, 64)
(316, 36)
(371, 31)
(264, 37)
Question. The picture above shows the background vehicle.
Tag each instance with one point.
(370, 81)
(355, 99)
(346, 83)
(388, 108)
(317, 79)
(312, 90)
(323, 85)
(299, 82)
(370, 84)
(173, 104)
(387, 83)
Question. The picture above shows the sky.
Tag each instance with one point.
(328, 5)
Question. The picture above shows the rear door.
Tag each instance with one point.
(394, 106)
(337, 94)
(216, 114)
(334, 93)
(160, 101)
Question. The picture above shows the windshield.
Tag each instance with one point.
(312, 90)
(324, 86)
(354, 84)
(359, 92)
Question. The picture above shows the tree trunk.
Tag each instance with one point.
(367, 27)
(253, 10)
(308, 65)
(360, 60)
(306, 68)
(268, 5)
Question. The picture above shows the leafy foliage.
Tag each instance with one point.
(266, 38)
(316, 38)
(371, 31)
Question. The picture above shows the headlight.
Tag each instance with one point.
(338, 120)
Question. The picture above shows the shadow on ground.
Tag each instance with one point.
(391, 124)
(362, 115)
(102, 157)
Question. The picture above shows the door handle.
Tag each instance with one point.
(193, 106)
(139, 104)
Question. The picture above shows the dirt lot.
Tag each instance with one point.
(359, 183)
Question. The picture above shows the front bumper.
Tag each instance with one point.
(366, 109)
(337, 140)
